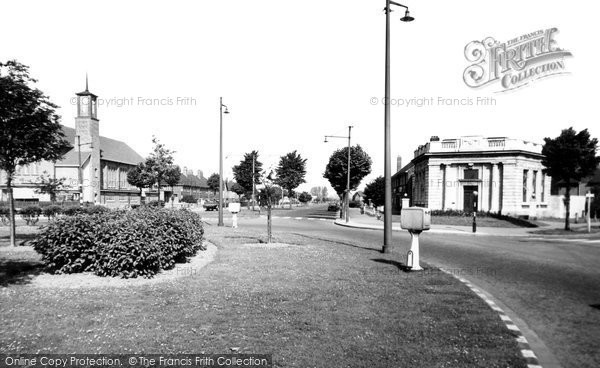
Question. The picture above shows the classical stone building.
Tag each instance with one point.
(95, 169)
(495, 174)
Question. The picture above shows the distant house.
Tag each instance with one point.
(190, 184)
(95, 169)
(358, 197)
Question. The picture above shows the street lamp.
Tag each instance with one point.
(79, 168)
(387, 209)
(347, 197)
(221, 106)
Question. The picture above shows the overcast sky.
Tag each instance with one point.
(294, 71)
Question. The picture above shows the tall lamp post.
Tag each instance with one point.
(79, 169)
(221, 106)
(347, 197)
(387, 209)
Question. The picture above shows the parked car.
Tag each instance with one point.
(211, 205)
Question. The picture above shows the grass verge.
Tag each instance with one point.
(314, 303)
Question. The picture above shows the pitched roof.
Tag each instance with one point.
(110, 150)
(193, 180)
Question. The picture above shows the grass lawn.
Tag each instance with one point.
(577, 231)
(310, 304)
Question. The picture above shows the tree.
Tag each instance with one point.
(266, 197)
(172, 177)
(243, 172)
(159, 163)
(213, 182)
(569, 158)
(50, 186)
(291, 172)
(237, 189)
(31, 130)
(305, 197)
(140, 177)
(337, 169)
(316, 192)
(324, 193)
(375, 191)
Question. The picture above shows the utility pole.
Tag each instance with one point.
(253, 183)
(347, 204)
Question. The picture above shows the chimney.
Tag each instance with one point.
(184, 171)
(434, 138)
(199, 174)
(398, 163)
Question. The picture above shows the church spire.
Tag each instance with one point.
(86, 82)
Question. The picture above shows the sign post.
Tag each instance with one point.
(234, 208)
(589, 197)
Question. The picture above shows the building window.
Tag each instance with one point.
(543, 194)
(534, 186)
(525, 172)
(471, 174)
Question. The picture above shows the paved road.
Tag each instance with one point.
(551, 287)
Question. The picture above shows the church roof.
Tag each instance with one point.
(110, 150)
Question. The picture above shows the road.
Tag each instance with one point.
(550, 289)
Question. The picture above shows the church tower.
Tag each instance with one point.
(87, 143)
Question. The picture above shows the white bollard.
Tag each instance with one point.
(414, 250)
(234, 220)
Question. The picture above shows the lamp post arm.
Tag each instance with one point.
(400, 5)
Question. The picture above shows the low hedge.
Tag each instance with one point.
(31, 214)
(127, 244)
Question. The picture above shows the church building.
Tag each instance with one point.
(94, 170)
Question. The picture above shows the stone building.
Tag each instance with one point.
(95, 169)
(495, 174)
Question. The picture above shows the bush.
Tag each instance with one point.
(51, 211)
(354, 204)
(133, 243)
(72, 210)
(31, 214)
(4, 214)
(333, 207)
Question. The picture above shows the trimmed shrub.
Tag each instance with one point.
(31, 214)
(4, 214)
(68, 244)
(333, 207)
(51, 211)
(127, 244)
(354, 204)
(72, 210)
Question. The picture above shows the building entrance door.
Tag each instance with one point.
(469, 197)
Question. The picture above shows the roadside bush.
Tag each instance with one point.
(51, 211)
(4, 214)
(31, 214)
(354, 204)
(127, 244)
(333, 207)
(72, 210)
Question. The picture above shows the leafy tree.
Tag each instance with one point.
(140, 177)
(337, 169)
(305, 197)
(324, 193)
(237, 189)
(291, 172)
(159, 163)
(316, 192)
(49, 185)
(172, 177)
(266, 197)
(213, 182)
(243, 172)
(30, 127)
(375, 191)
(569, 158)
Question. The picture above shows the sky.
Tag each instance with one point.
(292, 72)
